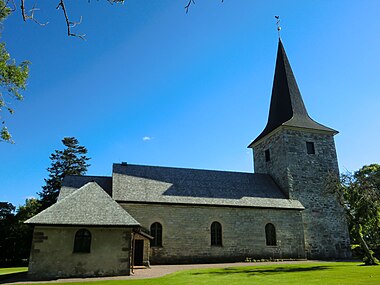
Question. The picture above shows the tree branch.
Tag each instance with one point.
(69, 23)
(188, 5)
(61, 5)
(31, 15)
(192, 2)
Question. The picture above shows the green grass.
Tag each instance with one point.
(308, 273)
(10, 270)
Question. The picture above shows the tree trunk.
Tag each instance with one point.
(368, 259)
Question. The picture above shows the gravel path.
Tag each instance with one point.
(152, 272)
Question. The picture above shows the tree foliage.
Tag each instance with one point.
(364, 201)
(29, 209)
(360, 196)
(70, 161)
(6, 210)
(13, 79)
(6, 222)
(15, 236)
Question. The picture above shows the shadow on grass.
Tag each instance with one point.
(257, 271)
(13, 277)
(369, 265)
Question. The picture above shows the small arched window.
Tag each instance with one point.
(216, 234)
(82, 242)
(270, 234)
(156, 232)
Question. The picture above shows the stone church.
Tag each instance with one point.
(141, 215)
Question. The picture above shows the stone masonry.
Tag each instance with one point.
(303, 176)
(52, 253)
(186, 232)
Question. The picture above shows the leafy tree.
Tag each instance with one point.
(15, 236)
(70, 161)
(6, 210)
(12, 78)
(23, 233)
(31, 208)
(7, 219)
(360, 196)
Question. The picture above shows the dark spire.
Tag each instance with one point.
(286, 106)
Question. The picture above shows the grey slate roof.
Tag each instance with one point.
(73, 182)
(287, 107)
(89, 206)
(153, 184)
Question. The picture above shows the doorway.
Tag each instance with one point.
(139, 252)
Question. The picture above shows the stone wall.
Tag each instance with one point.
(278, 166)
(52, 253)
(187, 239)
(304, 177)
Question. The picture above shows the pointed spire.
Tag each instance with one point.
(286, 106)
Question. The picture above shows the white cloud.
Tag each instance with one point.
(30, 197)
(146, 138)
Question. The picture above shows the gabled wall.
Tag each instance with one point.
(52, 253)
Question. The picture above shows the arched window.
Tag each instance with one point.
(156, 232)
(270, 234)
(216, 234)
(82, 242)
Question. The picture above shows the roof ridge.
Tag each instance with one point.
(184, 168)
(93, 206)
(76, 191)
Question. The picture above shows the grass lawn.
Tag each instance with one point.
(308, 273)
(12, 270)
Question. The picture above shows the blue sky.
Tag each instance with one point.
(197, 86)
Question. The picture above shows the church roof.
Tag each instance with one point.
(72, 182)
(287, 107)
(154, 184)
(90, 205)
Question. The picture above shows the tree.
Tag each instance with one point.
(70, 161)
(6, 210)
(15, 236)
(23, 233)
(6, 222)
(31, 208)
(13, 78)
(360, 195)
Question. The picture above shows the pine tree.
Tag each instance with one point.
(70, 161)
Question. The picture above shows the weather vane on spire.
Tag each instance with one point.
(278, 25)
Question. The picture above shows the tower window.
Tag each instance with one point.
(267, 155)
(270, 234)
(310, 148)
(216, 234)
(82, 241)
(156, 232)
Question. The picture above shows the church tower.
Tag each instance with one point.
(300, 155)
